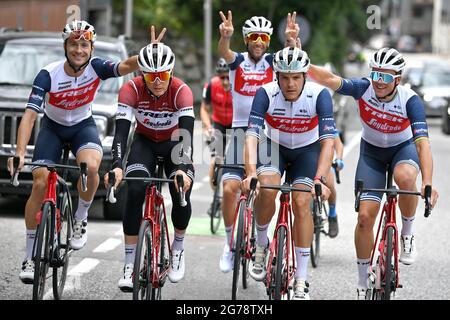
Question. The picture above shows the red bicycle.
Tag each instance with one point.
(245, 244)
(384, 276)
(281, 264)
(153, 251)
(51, 248)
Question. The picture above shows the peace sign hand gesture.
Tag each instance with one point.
(153, 39)
(226, 27)
(292, 30)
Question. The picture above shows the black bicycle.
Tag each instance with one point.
(51, 248)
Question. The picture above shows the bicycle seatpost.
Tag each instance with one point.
(83, 171)
(15, 177)
(427, 200)
(180, 183)
(112, 181)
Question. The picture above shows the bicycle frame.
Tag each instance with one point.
(284, 219)
(155, 200)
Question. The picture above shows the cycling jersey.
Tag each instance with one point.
(387, 124)
(292, 124)
(220, 100)
(157, 117)
(246, 78)
(69, 99)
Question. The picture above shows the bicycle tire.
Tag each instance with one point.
(280, 269)
(42, 257)
(388, 285)
(164, 258)
(315, 244)
(248, 239)
(238, 249)
(142, 264)
(216, 206)
(64, 235)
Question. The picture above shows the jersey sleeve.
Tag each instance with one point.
(238, 58)
(416, 115)
(269, 59)
(41, 85)
(260, 106)
(105, 69)
(354, 87)
(206, 94)
(324, 107)
(128, 98)
(184, 102)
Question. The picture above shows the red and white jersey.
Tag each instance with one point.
(157, 117)
(246, 78)
(68, 100)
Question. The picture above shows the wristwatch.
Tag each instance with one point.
(322, 179)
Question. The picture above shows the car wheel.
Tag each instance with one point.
(114, 211)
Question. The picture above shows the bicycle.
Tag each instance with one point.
(216, 205)
(153, 251)
(245, 245)
(320, 219)
(281, 264)
(51, 248)
(384, 277)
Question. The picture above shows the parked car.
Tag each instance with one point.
(22, 55)
(432, 83)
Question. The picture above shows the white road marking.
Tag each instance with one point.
(205, 179)
(353, 143)
(197, 185)
(119, 232)
(73, 280)
(108, 245)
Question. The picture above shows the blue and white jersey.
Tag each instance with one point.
(387, 124)
(69, 99)
(292, 124)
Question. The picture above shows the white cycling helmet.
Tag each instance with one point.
(257, 24)
(388, 58)
(291, 60)
(79, 26)
(156, 57)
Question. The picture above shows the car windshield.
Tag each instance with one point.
(20, 63)
(436, 78)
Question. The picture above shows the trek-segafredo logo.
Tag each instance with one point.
(74, 98)
(248, 83)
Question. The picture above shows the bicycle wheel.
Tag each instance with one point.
(62, 251)
(238, 249)
(315, 245)
(142, 273)
(42, 252)
(164, 259)
(389, 276)
(281, 263)
(216, 206)
(251, 238)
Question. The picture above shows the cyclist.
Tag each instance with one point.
(217, 94)
(395, 133)
(64, 91)
(248, 71)
(161, 104)
(333, 226)
(297, 117)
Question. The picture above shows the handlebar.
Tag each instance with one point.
(393, 192)
(110, 197)
(51, 167)
(336, 172)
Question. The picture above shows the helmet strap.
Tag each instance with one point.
(75, 69)
(389, 94)
(251, 56)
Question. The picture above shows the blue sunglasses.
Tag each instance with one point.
(385, 77)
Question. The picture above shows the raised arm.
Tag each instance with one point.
(325, 77)
(226, 31)
(291, 32)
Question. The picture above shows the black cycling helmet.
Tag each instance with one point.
(222, 66)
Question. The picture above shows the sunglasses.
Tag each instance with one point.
(82, 34)
(152, 76)
(224, 77)
(264, 37)
(385, 77)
